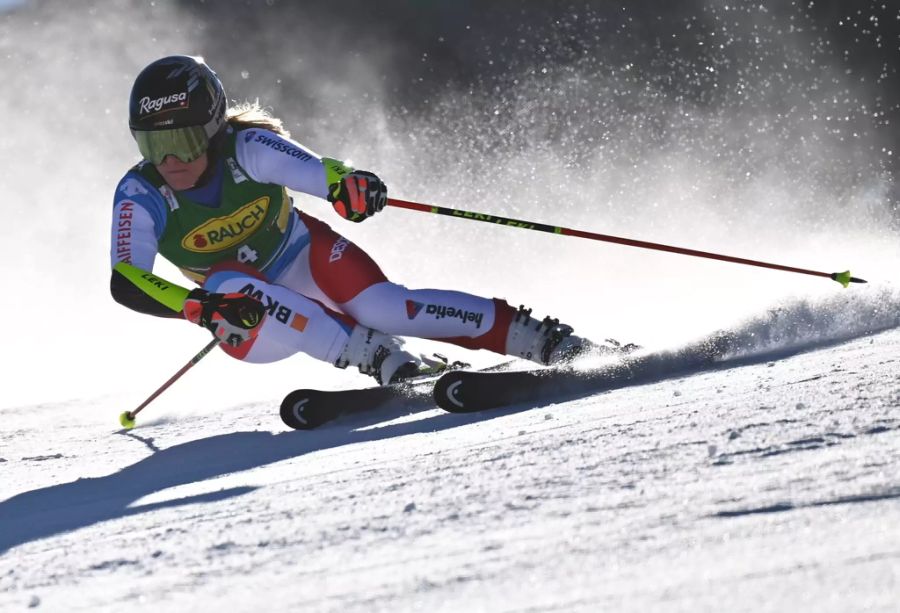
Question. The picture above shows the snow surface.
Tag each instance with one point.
(764, 484)
(770, 483)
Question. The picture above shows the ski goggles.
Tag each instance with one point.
(187, 144)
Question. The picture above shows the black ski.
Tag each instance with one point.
(464, 391)
(306, 409)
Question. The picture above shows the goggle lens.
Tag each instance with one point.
(187, 144)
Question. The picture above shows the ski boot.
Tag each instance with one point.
(382, 356)
(550, 343)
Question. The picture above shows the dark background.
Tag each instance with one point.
(839, 57)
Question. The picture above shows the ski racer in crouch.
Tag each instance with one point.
(210, 196)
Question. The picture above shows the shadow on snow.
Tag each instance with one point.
(56, 509)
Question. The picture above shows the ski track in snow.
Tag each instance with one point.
(766, 485)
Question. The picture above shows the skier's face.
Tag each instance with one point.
(182, 175)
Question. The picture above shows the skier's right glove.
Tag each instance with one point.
(358, 196)
(232, 318)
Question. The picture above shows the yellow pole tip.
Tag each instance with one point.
(126, 420)
(843, 278)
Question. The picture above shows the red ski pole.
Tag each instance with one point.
(127, 418)
(843, 278)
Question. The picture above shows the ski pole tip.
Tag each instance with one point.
(127, 420)
(845, 279)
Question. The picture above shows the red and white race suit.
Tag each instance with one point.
(318, 285)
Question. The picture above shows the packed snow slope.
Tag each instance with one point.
(762, 130)
(769, 482)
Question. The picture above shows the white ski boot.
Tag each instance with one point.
(549, 342)
(383, 357)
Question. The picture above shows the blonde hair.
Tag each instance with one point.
(252, 115)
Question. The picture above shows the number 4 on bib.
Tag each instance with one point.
(247, 255)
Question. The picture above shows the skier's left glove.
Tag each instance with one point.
(358, 195)
(232, 318)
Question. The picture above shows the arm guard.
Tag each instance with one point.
(146, 293)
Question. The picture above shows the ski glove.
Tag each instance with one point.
(232, 318)
(358, 195)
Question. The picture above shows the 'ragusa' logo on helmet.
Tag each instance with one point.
(157, 104)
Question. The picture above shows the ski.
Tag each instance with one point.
(307, 409)
(464, 391)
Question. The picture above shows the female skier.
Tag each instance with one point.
(210, 196)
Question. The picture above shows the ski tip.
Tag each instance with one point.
(296, 412)
(466, 391)
(449, 393)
